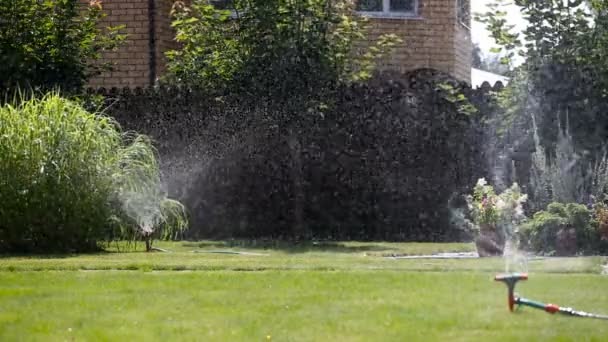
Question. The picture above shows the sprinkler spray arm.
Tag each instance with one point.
(511, 280)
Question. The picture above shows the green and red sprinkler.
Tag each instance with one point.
(511, 279)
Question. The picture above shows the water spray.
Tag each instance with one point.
(511, 279)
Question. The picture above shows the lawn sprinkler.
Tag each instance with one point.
(511, 279)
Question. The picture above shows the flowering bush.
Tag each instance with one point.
(482, 204)
(503, 212)
(496, 217)
(510, 207)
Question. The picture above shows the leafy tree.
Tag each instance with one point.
(561, 88)
(270, 47)
(477, 56)
(490, 62)
(565, 46)
(45, 44)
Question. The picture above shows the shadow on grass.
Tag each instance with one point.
(51, 255)
(102, 248)
(288, 246)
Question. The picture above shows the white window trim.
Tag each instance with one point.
(386, 13)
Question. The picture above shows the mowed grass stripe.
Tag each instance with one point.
(290, 306)
(336, 257)
(280, 262)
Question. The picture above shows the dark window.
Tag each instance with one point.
(369, 5)
(402, 5)
(388, 7)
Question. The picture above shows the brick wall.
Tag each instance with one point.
(434, 39)
(133, 64)
(164, 34)
(463, 47)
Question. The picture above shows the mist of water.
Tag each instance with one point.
(515, 259)
(143, 207)
(186, 161)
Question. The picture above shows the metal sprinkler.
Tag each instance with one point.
(511, 279)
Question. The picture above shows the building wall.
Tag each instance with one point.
(463, 47)
(133, 63)
(164, 35)
(131, 60)
(434, 39)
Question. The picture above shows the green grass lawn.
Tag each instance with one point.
(331, 292)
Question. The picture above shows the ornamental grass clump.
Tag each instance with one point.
(65, 177)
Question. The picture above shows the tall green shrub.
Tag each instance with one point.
(51, 44)
(67, 176)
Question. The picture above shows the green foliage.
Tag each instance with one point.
(47, 44)
(491, 209)
(564, 78)
(270, 47)
(66, 178)
(483, 204)
(210, 54)
(462, 103)
(540, 233)
(580, 216)
(558, 95)
(552, 34)
(558, 209)
(490, 62)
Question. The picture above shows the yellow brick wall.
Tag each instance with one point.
(132, 60)
(164, 34)
(433, 39)
(463, 49)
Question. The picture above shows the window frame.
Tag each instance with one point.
(387, 13)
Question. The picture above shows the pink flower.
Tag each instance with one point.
(95, 3)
